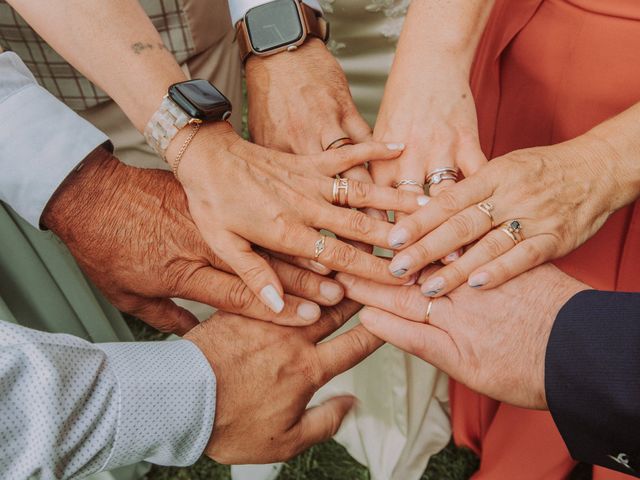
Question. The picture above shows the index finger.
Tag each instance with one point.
(452, 200)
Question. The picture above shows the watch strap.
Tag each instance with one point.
(164, 125)
(315, 26)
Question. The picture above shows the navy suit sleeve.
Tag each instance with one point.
(592, 378)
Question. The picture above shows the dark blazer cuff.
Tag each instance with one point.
(592, 378)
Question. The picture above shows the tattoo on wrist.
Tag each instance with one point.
(140, 47)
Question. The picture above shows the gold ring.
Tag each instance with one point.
(339, 143)
(320, 246)
(486, 208)
(428, 315)
(408, 182)
(513, 228)
(340, 185)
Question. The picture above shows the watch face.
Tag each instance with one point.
(199, 99)
(273, 25)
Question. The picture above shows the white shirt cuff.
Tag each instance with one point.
(41, 141)
(167, 402)
(239, 8)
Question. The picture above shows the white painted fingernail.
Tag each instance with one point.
(331, 291)
(398, 237)
(272, 298)
(308, 311)
(452, 257)
(423, 200)
(395, 146)
(479, 280)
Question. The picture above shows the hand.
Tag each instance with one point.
(494, 342)
(266, 376)
(241, 194)
(131, 233)
(300, 101)
(561, 195)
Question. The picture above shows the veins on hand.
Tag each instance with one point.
(140, 47)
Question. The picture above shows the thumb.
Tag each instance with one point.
(470, 158)
(162, 314)
(320, 423)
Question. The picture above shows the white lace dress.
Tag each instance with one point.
(402, 418)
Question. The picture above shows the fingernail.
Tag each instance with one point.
(433, 286)
(423, 200)
(412, 281)
(308, 311)
(400, 265)
(318, 267)
(331, 291)
(398, 237)
(479, 280)
(452, 257)
(272, 298)
(395, 146)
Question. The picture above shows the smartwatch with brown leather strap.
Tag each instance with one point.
(277, 26)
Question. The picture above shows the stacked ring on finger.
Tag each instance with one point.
(513, 228)
(413, 183)
(339, 143)
(427, 317)
(340, 185)
(487, 208)
(439, 175)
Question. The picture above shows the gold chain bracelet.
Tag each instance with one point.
(195, 126)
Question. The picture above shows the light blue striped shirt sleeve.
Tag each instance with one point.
(238, 8)
(69, 408)
(41, 140)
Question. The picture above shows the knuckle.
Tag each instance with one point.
(492, 246)
(533, 252)
(300, 280)
(402, 301)
(448, 202)
(360, 223)
(237, 297)
(456, 273)
(344, 254)
(422, 252)
(462, 226)
(360, 190)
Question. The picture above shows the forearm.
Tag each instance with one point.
(439, 36)
(78, 408)
(114, 44)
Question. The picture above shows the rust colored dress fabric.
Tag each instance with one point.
(547, 71)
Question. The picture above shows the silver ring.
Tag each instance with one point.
(408, 182)
(320, 246)
(438, 175)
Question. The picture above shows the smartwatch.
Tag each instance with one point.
(279, 25)
(190, 102)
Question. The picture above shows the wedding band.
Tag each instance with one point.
(339, 143)
(439, 175)
(428, 315)
(320, 246)
(486, 208)
(513, 228)
(408, 182)
(340, 185)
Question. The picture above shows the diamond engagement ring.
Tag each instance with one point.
(441, 174)
(320, 246)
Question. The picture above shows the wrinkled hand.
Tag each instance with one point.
(242, 194)
(266, 376)
(300, 101)
(561, 195)
(494, 342)
(131, 233)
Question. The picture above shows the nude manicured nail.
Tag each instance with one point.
(318, 267)
(452, 257)
(272, 298)
(400, 265)
(308, 311)
(398, 237)
(423, 200)
(433, 286)
(395, 146)
(331, 291)
(479, 280)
